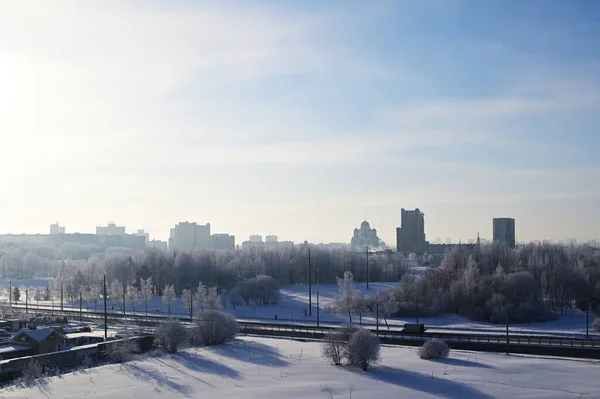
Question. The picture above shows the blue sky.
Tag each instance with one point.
(301, 118)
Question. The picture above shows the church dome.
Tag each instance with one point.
(365, 225)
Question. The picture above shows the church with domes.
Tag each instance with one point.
(364, 237)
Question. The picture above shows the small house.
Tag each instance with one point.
(83, 338)
(43, 340)
(10, 350)
(11, 325)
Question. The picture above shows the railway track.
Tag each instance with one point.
(517, 343)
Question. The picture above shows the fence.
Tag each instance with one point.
(11, 369)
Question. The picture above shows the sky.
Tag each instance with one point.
(301, 119)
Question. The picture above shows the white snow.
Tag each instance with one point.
(264, 368)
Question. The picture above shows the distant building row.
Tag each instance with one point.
(411, 238)
(192, 236)
(271, 242)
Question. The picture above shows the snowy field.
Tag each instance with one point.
(294, 303)
(278, 368)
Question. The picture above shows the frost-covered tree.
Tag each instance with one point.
(117, 294)
(168, 296)
(47, 294)
(187, 297)
(94, 294)
(212, 300)
(349, 301)
(387, 305)
(171, 335)
(146, 291)
(37, 296)
(363, 348)
(16, 294)
(132, 295)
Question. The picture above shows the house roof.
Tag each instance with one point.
(38, 335)
(7, 348)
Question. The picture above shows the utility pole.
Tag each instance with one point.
(478, 249)
(10, 292)
(417, 306)
(377, 315)
(80, 305)
(367, 254)
(191, 304)
(587, 317)
(26, 299)
(507, 339)
(61, 296)
(587, 308)
(105, 316)
(318, 311)
(309, 286)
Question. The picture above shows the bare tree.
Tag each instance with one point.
(116, 292)
(146, 291)
(169, 296)
(94, 294)
(333, 347)
(132, 295)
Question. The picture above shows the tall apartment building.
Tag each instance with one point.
(55, 228)
(410, 237)
(190, 236)
(110, 230)
(223, 242)
(504, 231)
(271, 238)
(255, 238)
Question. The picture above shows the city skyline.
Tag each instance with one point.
(299, 120)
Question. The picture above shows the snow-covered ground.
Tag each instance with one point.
(294, 303)
(278, 368)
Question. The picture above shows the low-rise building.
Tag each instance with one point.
(43, 340)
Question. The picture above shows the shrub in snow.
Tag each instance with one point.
(434, 349)
(334, 346)
(31, 372)
(363, 348)
(121, 350)
(214, 327)
(171, 335)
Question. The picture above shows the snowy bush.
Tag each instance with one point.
(171, 335)
(31, 372)
(334, 347)
(122, 350)
(434, 349)
(363, 348)
(214, 327)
